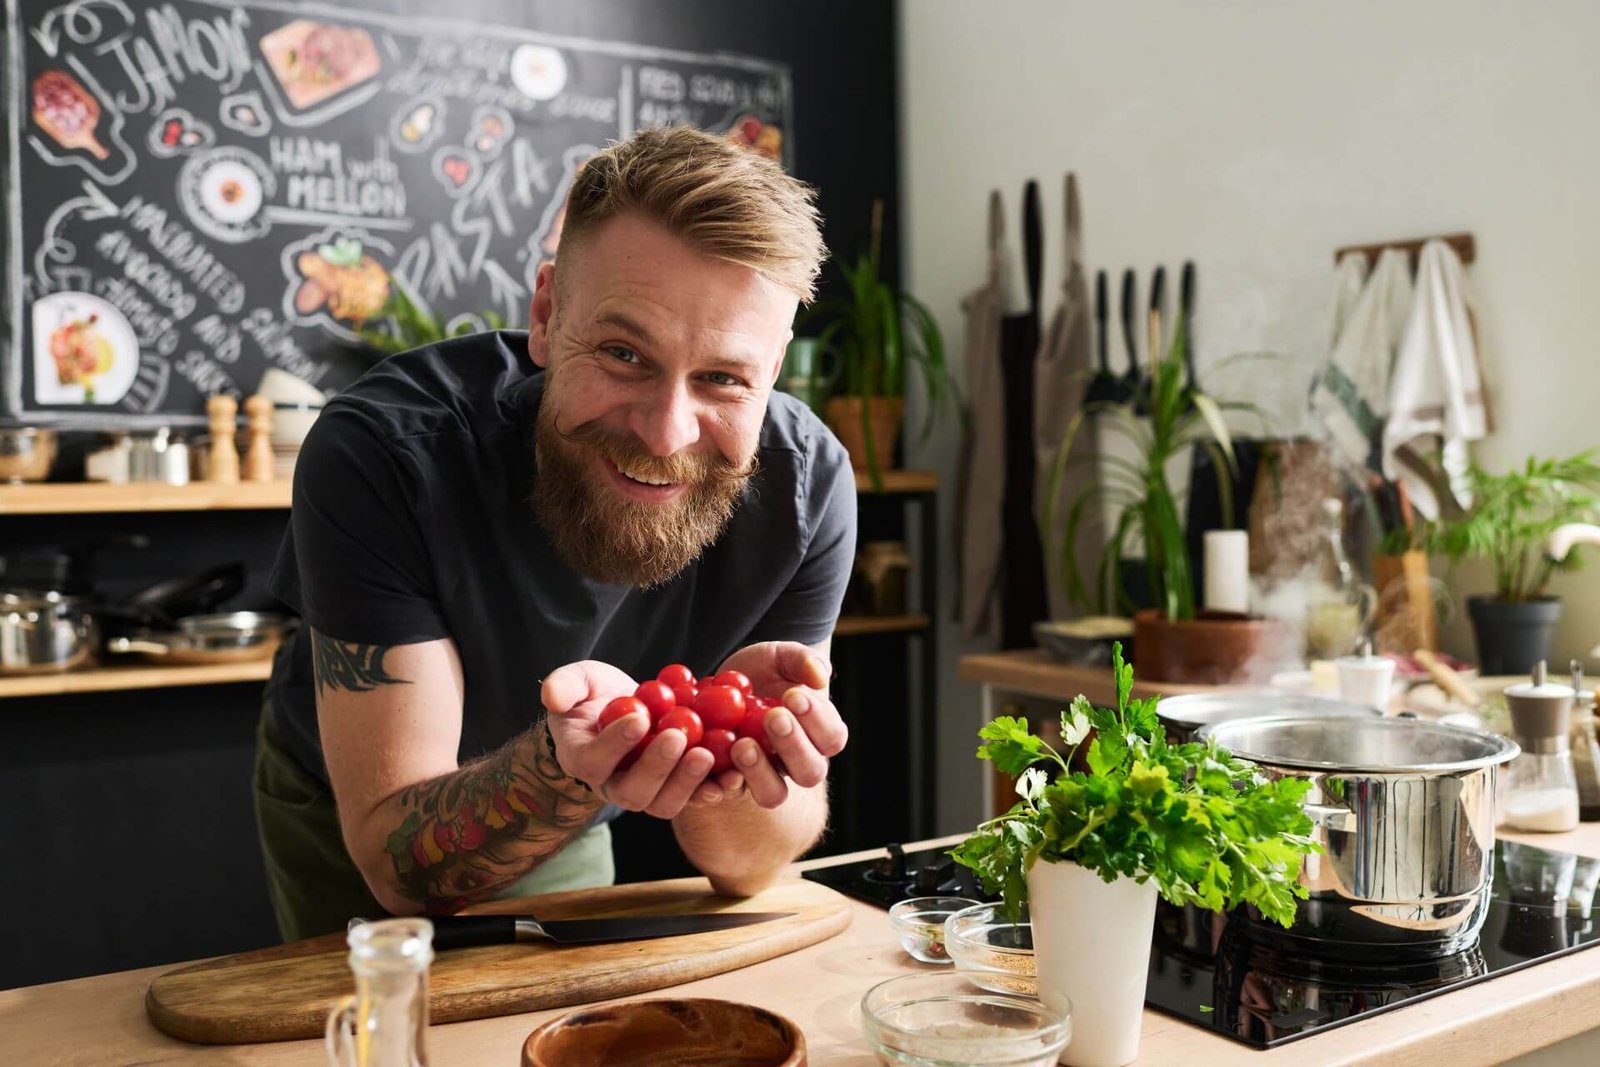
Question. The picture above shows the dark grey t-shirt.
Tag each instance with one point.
(412, 522)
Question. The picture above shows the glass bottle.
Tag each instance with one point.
(385, 1023)
(1585, 748)
(1339, 606)
(1541, 786)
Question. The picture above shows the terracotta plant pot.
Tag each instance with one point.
(1213, 649)
(884, 415)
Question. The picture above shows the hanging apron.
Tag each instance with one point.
(1061, 377)
(1023, 599)
(981, 475)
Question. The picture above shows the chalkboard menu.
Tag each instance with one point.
(200, 191)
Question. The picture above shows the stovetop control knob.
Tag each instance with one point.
(892, 868)
(931, 877)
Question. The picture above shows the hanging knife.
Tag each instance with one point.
(1186, 318)
(471, 931)
(1132, 384)
(1158, 293)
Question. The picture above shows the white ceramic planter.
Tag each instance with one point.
(1091, 943)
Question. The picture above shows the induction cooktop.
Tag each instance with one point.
(1206, 971)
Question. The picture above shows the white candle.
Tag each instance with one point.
(1227, 571)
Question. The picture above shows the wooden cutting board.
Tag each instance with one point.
(285, 993)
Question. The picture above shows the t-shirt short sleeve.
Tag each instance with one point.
(356, 564)
(808, 608)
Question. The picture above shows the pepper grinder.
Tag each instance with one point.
(1585, 748)
(258, 458)
(224, 459)
(1541, 787)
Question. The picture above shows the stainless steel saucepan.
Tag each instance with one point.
(1187, 713)
(198, 639)
(41, 633)
(1404, 809)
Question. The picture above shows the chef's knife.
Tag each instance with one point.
(1186, 321)
(1131, 379)
(470, 931)
(1158, 296)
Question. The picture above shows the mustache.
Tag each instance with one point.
(691, 468)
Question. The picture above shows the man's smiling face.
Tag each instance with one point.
(661, 360)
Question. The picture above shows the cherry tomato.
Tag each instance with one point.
(718, 742)
(754, 724)
(676, 674)
(621, 707)
(683, 695)
(721, 707)
(686, 720)
(738, 679)
(657, 696)
(634, 753)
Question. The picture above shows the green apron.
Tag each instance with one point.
(314, 884)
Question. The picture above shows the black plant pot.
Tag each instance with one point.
(1512, 637)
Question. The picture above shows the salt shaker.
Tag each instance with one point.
(1585, 748)
(1541, 786)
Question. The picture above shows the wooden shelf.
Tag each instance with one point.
(899, 482)
(849, 625)
(142, 676)
(79, 498)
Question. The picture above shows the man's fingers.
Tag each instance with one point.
(635, 788)
(820, 719)
(682, 784)
(800, 664)
(577, 683)
(800, 757)
(595, 759)
(766, 785)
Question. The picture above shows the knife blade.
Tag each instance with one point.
(471, 931)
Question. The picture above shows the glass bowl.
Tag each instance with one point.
(944, 1020)
(919, 923)
(995, 953)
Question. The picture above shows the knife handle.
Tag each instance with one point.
(472, 931)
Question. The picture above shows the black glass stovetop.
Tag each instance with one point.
(1204, 971)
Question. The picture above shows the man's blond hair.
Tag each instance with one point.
(722, 198)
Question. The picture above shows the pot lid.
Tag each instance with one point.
(1372, 745)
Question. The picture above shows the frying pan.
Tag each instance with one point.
(231, 637)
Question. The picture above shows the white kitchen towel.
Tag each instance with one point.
(1437, 400)
(1352, 394)
(1349, 278)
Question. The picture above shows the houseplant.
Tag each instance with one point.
(872, 333)
(1511, 518)
(1090, 849)
(1175, 641)
(403, 324)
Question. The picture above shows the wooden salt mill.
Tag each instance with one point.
(224, 459)
(258, 458)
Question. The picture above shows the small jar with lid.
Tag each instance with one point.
(1541, 786)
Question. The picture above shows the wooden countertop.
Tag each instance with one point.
(101, 1020)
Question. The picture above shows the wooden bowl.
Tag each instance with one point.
(667, 1033)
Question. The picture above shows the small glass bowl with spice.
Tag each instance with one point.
(994, 952)
(919, 923)
(944, 1020)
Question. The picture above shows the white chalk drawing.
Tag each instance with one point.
(84, 350)
(457, 169)
(166, 98)
(417, 124)
(541, 246)
(245, 112)
(176, 132)
(491, 128)
(336, 279)
(538, 71)
(224, 191)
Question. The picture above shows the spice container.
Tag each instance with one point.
(1541, 786)
(1585, 748)
(943, 1020)
(919, 923)
(992, 951)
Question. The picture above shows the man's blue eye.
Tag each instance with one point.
(719, 378)
(626, 355)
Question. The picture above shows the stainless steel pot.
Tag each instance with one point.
(1184, 715)
(226, 638)
(1404, 809)
(41, 633)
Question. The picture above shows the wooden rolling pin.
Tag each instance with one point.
(1447, 679)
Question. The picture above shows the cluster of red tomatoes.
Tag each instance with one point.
(712, 715)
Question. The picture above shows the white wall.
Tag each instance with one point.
(1255, 136)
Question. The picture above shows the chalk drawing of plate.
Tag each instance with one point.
(223, 192)
(538, 71)
(84, 350)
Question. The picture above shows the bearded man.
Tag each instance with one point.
(494, 536)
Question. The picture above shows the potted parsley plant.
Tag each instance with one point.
(1103, 828)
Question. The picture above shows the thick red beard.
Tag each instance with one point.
(610, 538)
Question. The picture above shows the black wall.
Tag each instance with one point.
(125, 818)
